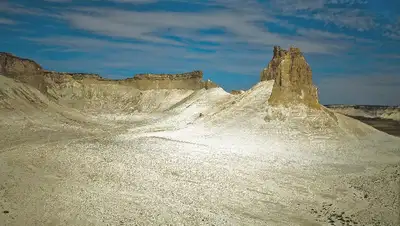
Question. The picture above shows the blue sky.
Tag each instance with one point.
(353, 46)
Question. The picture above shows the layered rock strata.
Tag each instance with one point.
(293, 79)
(30, 72)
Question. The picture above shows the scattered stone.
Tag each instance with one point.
(6, 211)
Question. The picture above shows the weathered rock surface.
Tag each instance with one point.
(189, 81)
(188, 75)
(24, 70)
(293, 79)
(237, 92)
(30, 72)
(11, 64)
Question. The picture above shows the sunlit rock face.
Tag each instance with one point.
(293, 79)
(188, 81)
(30, 72)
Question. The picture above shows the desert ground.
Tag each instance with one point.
(202, 157)
(386, 125)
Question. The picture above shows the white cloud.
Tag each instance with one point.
(240, 27)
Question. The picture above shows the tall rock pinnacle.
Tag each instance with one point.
(293, 79)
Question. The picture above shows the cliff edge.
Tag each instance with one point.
(293, 79)
(30, 72)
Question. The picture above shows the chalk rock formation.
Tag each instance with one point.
(28, 71)
(293, 79)
(198, 75)
(189, 81)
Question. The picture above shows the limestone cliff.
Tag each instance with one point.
(28, 71)
(189, 81)
(293, 79)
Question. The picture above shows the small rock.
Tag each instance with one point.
(6, 211)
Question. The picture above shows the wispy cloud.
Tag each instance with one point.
(131, 56)
(134, 1)
(239, 22)
(7, 21)
(344, 14)
(393, 30)
(320, 34)
(370, 89)
(236, 26)
(389, 56)
(8, 8)
(349, 18)
(58, 1)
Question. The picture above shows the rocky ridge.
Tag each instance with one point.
(30, 72)
(293, 79)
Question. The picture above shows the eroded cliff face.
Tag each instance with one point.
(52, 82)
(93, 92)
(11, 64)
(187, 81)
(24, 70)
(293, 79)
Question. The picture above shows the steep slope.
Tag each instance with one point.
(27, 115)
(105, 97)
(18, 96)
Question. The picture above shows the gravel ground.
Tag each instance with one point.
(198, 176)
(233, 164)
